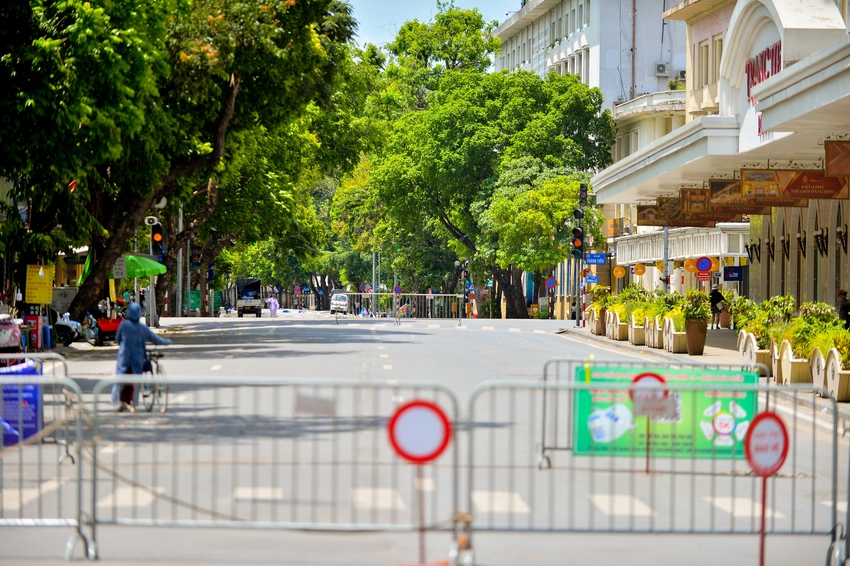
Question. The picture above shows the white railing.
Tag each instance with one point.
(724, 240)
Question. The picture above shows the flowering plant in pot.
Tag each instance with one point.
(696, 312)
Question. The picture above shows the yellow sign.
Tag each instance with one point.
(640, 269)
(659, 265)
(691, 266)
(39, 284)
(112, 290)
(619, 272)
(715, 264)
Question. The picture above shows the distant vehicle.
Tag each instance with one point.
(339, 303)
(248, 297)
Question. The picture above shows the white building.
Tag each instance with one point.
(594, 39)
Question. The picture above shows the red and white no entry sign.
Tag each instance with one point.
(419, 431)
(766, 444)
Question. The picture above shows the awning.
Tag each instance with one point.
(137, 266)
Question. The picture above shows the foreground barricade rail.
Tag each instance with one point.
(266, 453)
(592, 477)
(41, 475)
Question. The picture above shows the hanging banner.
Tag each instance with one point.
(654, 215)
(837, 158)
(790, 188)
(726, 197)
(696, 205)
(707, 424)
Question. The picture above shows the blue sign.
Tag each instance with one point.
(733, 274)
(22, 414)
(592, 279)
(551, 282)
(596, 259)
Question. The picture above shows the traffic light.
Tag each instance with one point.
(578, 243)
(195, 259)
(582, 194)
(157, 243)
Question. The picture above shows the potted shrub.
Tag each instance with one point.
(618, 328)
(601, 298)
(742, 310)
(660, 304)
(838, 369)
(766, 316)
(696, 311)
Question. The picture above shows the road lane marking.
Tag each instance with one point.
(111, 448)
(806, 417)
(540, 332)
(433, 326)
(741, 507)
(12, 496)
(382, 347)
(621, 505)
(385, 355)
(216, 367)
(380, 498)
(500, 502)
(514, 330)
(228, 357)
(388, 366)
(488, 328)
(123, 497)
(258, 494)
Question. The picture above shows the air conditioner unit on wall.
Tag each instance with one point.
(662, 69)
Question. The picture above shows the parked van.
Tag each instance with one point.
(339, 303)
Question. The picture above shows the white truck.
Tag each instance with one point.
(248, 297)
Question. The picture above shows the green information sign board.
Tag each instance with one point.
(708, 424)
(195, 296)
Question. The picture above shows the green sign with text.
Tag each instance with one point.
(707, 424)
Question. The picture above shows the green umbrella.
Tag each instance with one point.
(137, 266)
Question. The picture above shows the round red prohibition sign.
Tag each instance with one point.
(647, 382)
(766, 444)
(419, 431)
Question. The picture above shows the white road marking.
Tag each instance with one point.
(12, 496)
(621, 505)
(540, 332)
(258, 494)
(382, 347)
(514, 330)
(841, 506)
(425, 484)
(433, 326)
(216, 367)
(500, 502)
(228, 357)
(385, 355)
(803, 415)
(741, 507)
(111, 448)
(392, 382)
(123, 497)
(388, 366)
(381, 498)
(488, 328)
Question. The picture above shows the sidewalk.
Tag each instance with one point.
(721, 348)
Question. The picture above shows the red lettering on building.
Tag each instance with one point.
(762, 67)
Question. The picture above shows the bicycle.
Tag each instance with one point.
(155, 391)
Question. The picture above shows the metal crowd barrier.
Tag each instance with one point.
(41, 485)
(698, 480)
(267, 453)
(407, 305)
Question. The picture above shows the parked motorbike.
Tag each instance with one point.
(10, 338)
(67, 330)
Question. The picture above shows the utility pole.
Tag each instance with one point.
(666, 260)
(373, 281)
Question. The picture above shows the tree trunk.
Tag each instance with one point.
(510, 283)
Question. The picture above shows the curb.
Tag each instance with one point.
(805, 401)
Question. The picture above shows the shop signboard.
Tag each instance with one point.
(837, 157)
(726, 197)
(708, 423)
(667, 213)
(39, 284)
(696, 205)
(733, 273)
(772, 187)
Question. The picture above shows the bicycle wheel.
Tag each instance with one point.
(147, 395)
(161, 388)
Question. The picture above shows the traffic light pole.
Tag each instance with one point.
(580, 298)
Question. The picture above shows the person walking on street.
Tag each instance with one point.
(716, 299)
(844, 308)
(131, 337)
